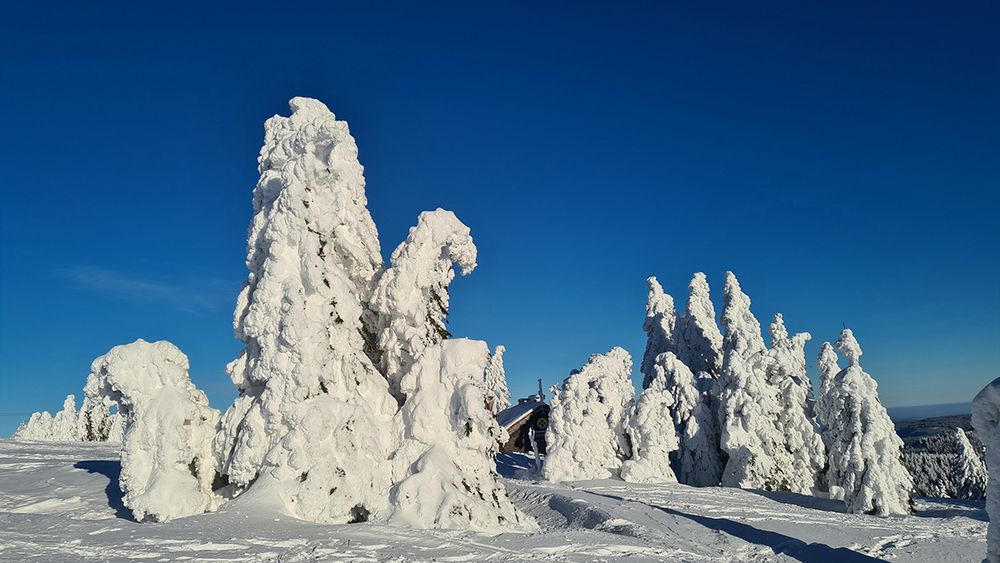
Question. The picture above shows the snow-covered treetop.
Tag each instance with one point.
(131, 373)
(660, 326)
(828, 367)
(849, 347)
(742, 328)
(702, 349)
(791, 349)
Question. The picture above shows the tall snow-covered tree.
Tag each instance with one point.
(748, 409)
(168, 466)
(986, 421)
(696, 460)
(411, 298)
(864, 451)
(311, 426)
(700, 341)
(444, 469)
(653, 437)
(586, 436)
(828, 370)
(495, 382)
(803, 457)
(970, 471)
(660, 327)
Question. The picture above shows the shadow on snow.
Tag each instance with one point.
(112, 470)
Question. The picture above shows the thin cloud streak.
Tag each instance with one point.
(190, 295)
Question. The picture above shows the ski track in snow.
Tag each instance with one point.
(61, 502)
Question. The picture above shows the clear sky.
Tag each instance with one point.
(843, 161)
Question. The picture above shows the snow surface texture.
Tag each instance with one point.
(312, 423)
(56, 504)
(864, 451)
(166, 457)
(445, 469)
(696, 461)
(495, 380)
(587, 421)
(652, 433)
(411, 298)
(986, 420)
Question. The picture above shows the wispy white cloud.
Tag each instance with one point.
(189, 295)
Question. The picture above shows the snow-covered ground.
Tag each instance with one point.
(61, 502)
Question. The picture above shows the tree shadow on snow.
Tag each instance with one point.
(975, 509)
(779, 543)
(805, 501)
(112, 470)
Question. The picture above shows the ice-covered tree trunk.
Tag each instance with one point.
(495, 381)
(970, 471)
(312, 425)
(700, 344)
(652, 432)
(986, 421)
(444, 469)
(586, 438)
(42, 426)
(97, 423)
(167, 462)
(864, 451)
(411, 298)
(696, 461)
(748, 409)
(803, 457)
(660, 327)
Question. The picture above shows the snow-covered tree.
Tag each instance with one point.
(97, 423)
(864, 451)
(586, 438)
(495, 381)
(312, 425)
(970, 471)
(444, 469)
(660, 327)
(748, 409)
(696, 460)
(828, 370)
(653, 436)
(411, 298)
(42, 426)
(167, 462)
(700, 346)
(986, 421)
(803, 456)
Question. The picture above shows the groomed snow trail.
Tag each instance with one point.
(61, 502)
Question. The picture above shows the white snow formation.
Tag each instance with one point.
(586, 438)
(444, 468)
(495, 382)
(167, 462)
(94, 422)
(700, 343)
(863, 450)
(696, 460)
(986, 421)
(411, 298)
(650, 427)
(970, 471)
(42, 426)
(660, 327)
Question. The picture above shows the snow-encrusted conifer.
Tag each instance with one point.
(652, 431)
(696, 460)
(700, 341)
(42, 426)
(828, 370)
(864, 451)
(586, 438)
(970, 471)
(986, 421)
(167, 462)
(747, 407)
(444, 469)
(312, 423)
(803, 456)
(411, 298)
(495, 381)
(660, 327)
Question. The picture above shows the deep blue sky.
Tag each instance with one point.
(841, 160)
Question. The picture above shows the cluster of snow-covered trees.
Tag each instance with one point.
(353, 402)
(96, 421)
(721, 407)
(946, 465)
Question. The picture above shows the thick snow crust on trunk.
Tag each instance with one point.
(660, 327)
(167, 463)
(411, 298)
(696, 461)
(586, 437)
(445, 470)
(652, 432)
(312, 421)
(986, 421)
(495, 381)
(700, 346)
(803, 457)
(864, 451)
